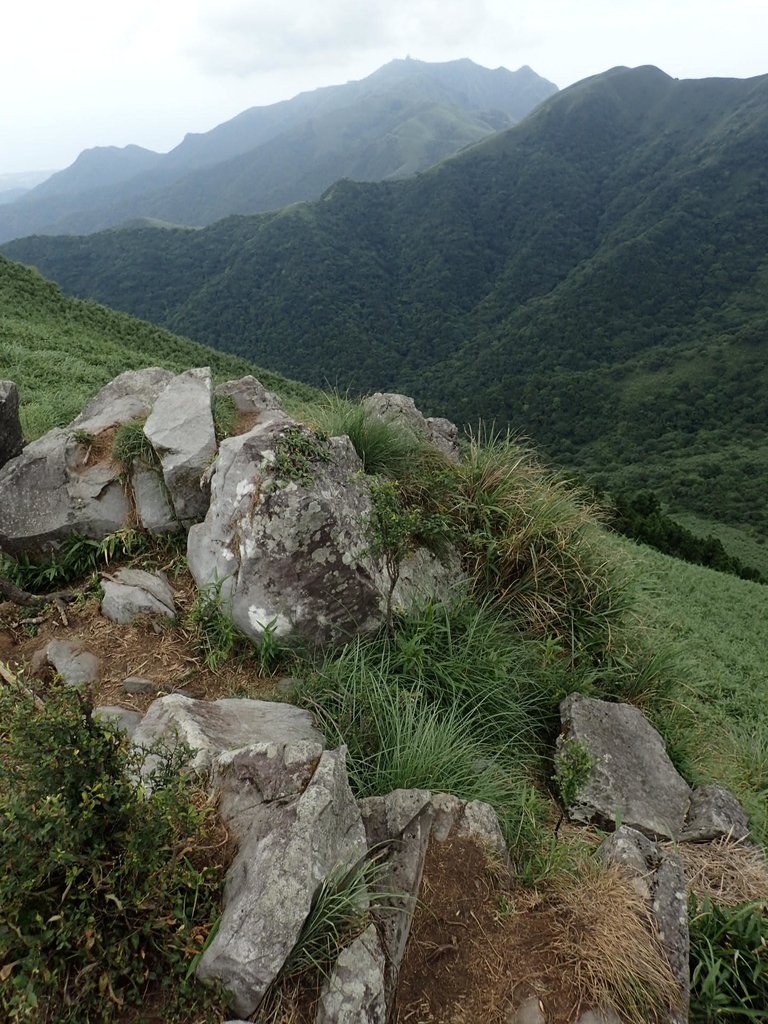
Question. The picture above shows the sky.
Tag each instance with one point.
(83, 73)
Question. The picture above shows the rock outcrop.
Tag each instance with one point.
(10, 425)
(440, 432)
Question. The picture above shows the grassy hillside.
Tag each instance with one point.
(595, 276)
(60, 351)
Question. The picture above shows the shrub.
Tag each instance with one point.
(106, 887)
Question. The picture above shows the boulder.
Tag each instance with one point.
(354, 993)
(288, 845)
(250, 396)
(130, 396)
(48, 493)
(714, 813)
(658, 878)
(10, 426)
(132, 592)
(154, 509)
(289, 552)
(180, 429)
(211, 727)
(631, 778)
(75, 665)
(440, 432)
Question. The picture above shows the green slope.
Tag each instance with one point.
(596, 276)
(60, 351)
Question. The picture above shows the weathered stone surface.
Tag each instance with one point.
(10, 425)
(443, 434)
(47, 494)
(180, 429)
(123, 719)
(714, 812)
(75, 665)
(132, 592)
(292, 555)
(210, 727)
(153, 504)
(130, 396)
(137, 684)
(631, 779)
(250, 396)
(468, 819)
(287, 847)
(530, 1011)
(658, 878)
(354, 993)
(600, 1016)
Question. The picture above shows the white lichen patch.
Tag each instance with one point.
(244, 487)
(261, 620)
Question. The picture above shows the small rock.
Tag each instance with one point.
(75, 665)
(714, 812)
(135, 684)
(354, 993)
(119, 718)
(599, 1016)
(531, 1011)
(132, 592)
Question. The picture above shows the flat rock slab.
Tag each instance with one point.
(631, 778)
(75, 665)
(132, 592)
(287, 848)
(180, 429)
(210, 727)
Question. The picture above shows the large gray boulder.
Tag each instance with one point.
(212, 727)
(630, 778)
(287, 848)
(10, 425)
(55, 488)
(290, 551)
(49, 493)
(658, 878)
(180, 429)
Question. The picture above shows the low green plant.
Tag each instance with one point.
(573, 763)
(130, 444)
(299, 451)
(82, 437)
(107, 888)
(224, 416)
(75, 559)
(215, 637)
(729, 962)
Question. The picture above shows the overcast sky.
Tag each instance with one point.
(81, 73)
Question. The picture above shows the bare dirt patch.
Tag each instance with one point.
(481, 945)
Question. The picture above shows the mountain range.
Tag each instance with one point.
(594, 277)
(403, 118)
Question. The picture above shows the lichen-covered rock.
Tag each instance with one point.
(286, 848)
(354, 993)
(132, 592)
(286, 538)
(10, 425)
(713, 814)
(440, 432)
(631, 778)
(180, 429)
(130, 396)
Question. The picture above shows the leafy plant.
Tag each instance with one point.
(107, 887)
(82, 437)
(298, 452)
(76, 558)
(573, 763)
(215, 636)
(224, 416)
(729, 962)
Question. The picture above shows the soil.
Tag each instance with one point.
(480, 946)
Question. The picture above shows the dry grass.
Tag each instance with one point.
(725, 872)
(607, 946)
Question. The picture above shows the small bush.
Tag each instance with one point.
(215, 637)
(106, 888)
(299, 451)
(729, 962)
(224, 416)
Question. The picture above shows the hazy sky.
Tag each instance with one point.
(81, 73)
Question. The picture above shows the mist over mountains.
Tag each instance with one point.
(403, 118)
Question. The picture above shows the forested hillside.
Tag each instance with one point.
(596, 277)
